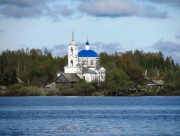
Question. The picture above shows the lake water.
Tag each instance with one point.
(93, 116)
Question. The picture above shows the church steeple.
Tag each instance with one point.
(87, 47)
(73, 36)
(87, 43)
(72, 53)
(72, 43)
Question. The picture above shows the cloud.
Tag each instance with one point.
(177, 36)
(23, 8)
(169, 48)
(59, 50)
(109, 8)
(21, 12)
(23, 3)
(66, 11)
(175, 3)
(102, 47)
(152, 12)
(62, 49)
(119, 8)
(33, 9)
(57, 11)
(106, 47)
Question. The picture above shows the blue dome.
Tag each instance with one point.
(87, 53)
(87, 43)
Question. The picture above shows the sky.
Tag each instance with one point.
(110, 25)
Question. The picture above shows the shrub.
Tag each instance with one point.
(98, 93)
(150, 93)
(14, 90)
(51, 92)
(68, 92)
(31, 91)
(85, 89)
(169, 91)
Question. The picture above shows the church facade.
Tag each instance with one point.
(84, 63)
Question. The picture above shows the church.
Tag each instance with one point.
(84, 63)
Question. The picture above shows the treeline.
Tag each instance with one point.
(124, 71)
(132, 70)
(139, 61)
(34, 67)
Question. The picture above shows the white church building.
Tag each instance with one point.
(84, 63)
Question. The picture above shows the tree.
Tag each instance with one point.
(172, 80)
(118, 82)
(14, 77)
(6, 79)
(1, 78)
(168, 64)
(136, 74)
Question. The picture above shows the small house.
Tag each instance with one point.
(67, 79)
(63, 79)
(155, 83)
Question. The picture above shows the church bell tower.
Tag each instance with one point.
(72, 53)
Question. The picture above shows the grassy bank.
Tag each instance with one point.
(85, 89)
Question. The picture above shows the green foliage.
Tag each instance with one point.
(14, 77)
(1, 78)
(134, 65)
(172, 80)
(30, 91)
(118, 82)
(19, 90)
(69, 92)
(14, 90)
(151, 93)
(98, 93)
(124, 70)
(51, 92)
(6, 79)
(85, 89)
(33, 67)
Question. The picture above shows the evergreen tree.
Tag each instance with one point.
(14, 77)
(6, 79)
(1, 78)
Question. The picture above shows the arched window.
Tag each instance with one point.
(72, 63)
(71, 51)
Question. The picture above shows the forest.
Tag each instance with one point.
(124, 72)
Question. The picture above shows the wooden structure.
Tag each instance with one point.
(64, 79)
(67, 79)
(155, 83)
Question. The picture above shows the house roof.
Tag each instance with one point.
(155, 82)
(67, 78)
(50, 85)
